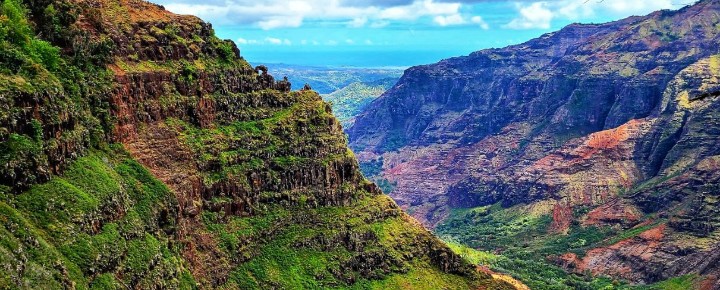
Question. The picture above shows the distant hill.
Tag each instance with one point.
(352, 99)
(326, 80)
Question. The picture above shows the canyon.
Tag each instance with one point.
(593, 148)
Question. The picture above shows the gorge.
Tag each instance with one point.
(140, 151)
(593, 148)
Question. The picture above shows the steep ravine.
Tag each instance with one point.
(140, 151)
(592, 148)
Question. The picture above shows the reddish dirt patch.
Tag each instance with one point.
(655, 234)
(613, 212)
(562, 217)
(708, 283)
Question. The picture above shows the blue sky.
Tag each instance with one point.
(376, 33)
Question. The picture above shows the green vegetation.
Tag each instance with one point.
(280, 139)
(66, 91)
(515, 241)
(351, 100)
(385, 185)
(291, 240)
(471, 255)
(79, 213)
(329, 247)
(104, 222)
(493, 227)
(372, 170)
(521, 237)
(677, 283)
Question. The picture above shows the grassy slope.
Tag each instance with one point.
(367, 244)
(104, 222)
(521, 232)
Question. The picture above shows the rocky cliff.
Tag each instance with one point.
(140, 151)
(609, 127)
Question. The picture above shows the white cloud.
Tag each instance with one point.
(368, 42)
(272, 14)
(635, 7)
(531, 14)
(243, 41)
(280, 22)
(202, 10)
(539, 15)
(419, 9)
(535, 16)
(277, 41)
(349, 41)
(577, 9)
(455, 19)
(480, 22)
(358, 22)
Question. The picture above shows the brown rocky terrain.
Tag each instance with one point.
(609, 126)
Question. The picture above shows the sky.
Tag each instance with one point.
(394, 33)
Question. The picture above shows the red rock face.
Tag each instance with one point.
(592, 169)
(573, 172)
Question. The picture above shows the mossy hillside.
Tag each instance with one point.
(105, 221)
(51, 99)
(149, 35)
(56, 91)
(351, 100)
(363, 246)
(276, 140)
(292, 239)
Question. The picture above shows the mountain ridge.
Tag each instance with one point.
(601, 126)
